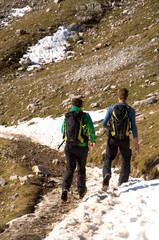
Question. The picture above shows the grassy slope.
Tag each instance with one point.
(27, 194)
(45, 86)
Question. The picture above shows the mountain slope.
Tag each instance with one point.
(115, 44)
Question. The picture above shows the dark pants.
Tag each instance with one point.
(75, 154)
(111, 151)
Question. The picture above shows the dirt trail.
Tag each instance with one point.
(50, 209)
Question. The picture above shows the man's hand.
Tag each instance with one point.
(92, 145)
(136, 145)
(137, 148)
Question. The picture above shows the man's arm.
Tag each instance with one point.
(107, 116)
(133, 122)
(91, 128)
(63, 126)
(134, 129)
(91, 131)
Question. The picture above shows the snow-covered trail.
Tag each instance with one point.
(45, 131)
(128, 212)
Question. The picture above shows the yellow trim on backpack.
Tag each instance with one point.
(116, 116)
(113, 131)
(80, 138)
(65, 138)
(127, 127)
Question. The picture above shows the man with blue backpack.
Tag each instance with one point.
(121, 119)
(76, 127)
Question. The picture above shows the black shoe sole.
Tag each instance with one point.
(119, 183)
(105, 188)
(83, 194)
(106, 182)
(64, 196)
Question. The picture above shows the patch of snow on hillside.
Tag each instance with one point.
(15, 12)
(48, 49)
(20, 12)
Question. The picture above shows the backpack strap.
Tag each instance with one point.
(80, 137)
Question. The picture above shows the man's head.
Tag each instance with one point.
(122, 94)
(77, 102)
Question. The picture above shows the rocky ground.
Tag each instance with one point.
(49, 209)
(6, 8)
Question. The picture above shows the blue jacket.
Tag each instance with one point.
(131, 115)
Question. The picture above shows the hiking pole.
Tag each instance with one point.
(102, 134)
(61, 144)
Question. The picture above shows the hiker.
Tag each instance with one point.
(76, 150)
(118, 137)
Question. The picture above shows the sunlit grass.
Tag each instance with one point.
(15, 199)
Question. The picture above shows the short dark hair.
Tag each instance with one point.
(123, 93)
(77, 102)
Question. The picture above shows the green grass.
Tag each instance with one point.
(149, 150)
(11, 207)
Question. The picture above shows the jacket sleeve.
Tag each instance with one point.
(90, 127)
(133, 123)
(62, 127)
(107, 116)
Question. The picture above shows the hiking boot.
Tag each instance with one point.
(121, 182)
(106, 181)
(64, 195)
(81, 195)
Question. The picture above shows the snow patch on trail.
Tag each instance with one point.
(40, 130)
(46, 131)
(121, 213)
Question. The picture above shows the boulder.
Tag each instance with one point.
(40, 170)
(55, 161)
(13, 178)
(24, 180)
(146, 102)
(2, 182)
(94, 105)
(21, 32)
(57, 1)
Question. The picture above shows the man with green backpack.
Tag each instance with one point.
(76, 127)
(121, 118)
